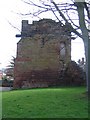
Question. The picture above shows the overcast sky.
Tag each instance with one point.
(8, 41)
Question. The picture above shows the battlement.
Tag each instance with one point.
(43, 26)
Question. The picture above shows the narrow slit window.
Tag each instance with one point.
(62, 49)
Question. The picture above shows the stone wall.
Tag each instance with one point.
(44, 47)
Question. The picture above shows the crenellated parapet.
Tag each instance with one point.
(44, 26)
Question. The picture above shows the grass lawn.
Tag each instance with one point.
(45, 103)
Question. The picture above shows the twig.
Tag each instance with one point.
(13, 26)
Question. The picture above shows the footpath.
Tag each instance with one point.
(5, 88)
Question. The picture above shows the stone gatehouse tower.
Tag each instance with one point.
(44, 48)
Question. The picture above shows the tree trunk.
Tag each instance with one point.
(89, 68)
(85, 36)
(89, 55)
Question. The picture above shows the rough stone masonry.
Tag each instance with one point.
(43, 50)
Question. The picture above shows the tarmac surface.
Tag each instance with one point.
(5, 88)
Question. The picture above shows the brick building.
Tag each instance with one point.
(44, 48)
(1, 74)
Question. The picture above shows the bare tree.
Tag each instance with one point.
(64, 13)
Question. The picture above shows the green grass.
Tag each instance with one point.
(45, 103)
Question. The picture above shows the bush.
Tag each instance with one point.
(74, 75)
(7, 83)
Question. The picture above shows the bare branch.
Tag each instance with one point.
(28, 14)
(88, 21)
(56, 16)
(61, 14)
(65, 5)
(87, 9)
(88, 30)
(71, 19)
(40, 12)
(33, 4)
(59, 11)
(68, 9)
(13, 26)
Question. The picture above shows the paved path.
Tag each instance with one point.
(5, 88)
